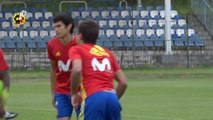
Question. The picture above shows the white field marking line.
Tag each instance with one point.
(125, 115)
(159, 118)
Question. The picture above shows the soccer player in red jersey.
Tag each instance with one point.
(93, 70)
(60, 71)
(4, 76)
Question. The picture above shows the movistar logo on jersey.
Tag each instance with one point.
(64, 67)
(101, 66)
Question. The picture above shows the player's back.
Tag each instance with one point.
(98, 69)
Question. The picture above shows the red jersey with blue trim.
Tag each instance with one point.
(98, 68)
(58, 53)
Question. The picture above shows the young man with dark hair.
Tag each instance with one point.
(60, 71)
(5, 77)
(93, 70)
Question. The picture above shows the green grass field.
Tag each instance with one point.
(161, 94)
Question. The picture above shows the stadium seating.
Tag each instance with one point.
(120, 28)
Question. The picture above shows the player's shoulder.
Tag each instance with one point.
(53, 42)
(1, 51)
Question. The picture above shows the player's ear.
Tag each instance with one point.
(79, 36)
(69, 26)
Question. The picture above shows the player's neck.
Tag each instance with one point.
(66, 40)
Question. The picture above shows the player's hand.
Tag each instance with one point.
(75, 100)
(53, 101)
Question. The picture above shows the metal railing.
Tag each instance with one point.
(11, 2)
(71, 2)
(204, 12)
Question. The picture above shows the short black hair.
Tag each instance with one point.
(66, 19)
(89, 30)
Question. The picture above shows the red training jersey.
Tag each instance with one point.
(98, 67)
(3, 63)
(58, 53)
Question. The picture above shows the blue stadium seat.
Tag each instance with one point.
(39, 28)
(149, 8)
(144, 37)
(47, 38)
(116, 27)
(185, 27)
(117, 18)
(41, 19)
(110, 8)
(189, 43)
(41, 44)
(159, 43)
(199, 43)
(175, 37)
(103, 38)
(44, 10)
(177, 17)
(113, 38)
(37, 39)
(176, 26)
(17, 38)
(135, 37)
(154, 37)
(138, 43)
(183, 37)
(6, 39)
(31, 45)
(118, 44)
(178, 43)
(108, 44)
(31, 19)
(147, 18)
(155, 27)
(2, 44)
(50, 18)
(135, 27)
(128, 43)
(17, 29)
(159, 8)
(49, 28)
(10, 44)
(148, 43)
(29, 28)
(101, 9)
(20, 44)
(27, 38)
(145, 27)
(124, 38)
(98, 18)
(100, 43)
(8, 29)
(158, 17)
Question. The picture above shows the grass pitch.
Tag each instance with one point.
(160, 94)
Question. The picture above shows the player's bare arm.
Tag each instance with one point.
(76, 79)
(122, 83)
(53, 80)
(5, 78)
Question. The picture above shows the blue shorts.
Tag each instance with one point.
(63, 105)
(100, 106)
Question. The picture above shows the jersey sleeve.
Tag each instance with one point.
(115, 64)
(74, 53)
(3, 63)
(49, 50)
